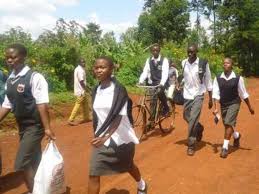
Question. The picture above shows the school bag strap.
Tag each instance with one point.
(202, 69)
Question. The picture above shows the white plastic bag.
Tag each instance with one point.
(49, 178)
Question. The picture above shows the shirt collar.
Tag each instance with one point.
(232, 75)
(196, 62)
(157, 59)
(24, 70)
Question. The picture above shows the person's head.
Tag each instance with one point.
(155, 50)
(15, 55)
(171, 63)
(192, 52)
(227, 64)
(81, 62)
(103, 68)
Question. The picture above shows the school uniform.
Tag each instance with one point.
(24, 92)
(193, 93)
(156, 73)
(172, 76)
(117, 153)
(229, 91)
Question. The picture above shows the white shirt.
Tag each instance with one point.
(146, 71)
(39, 88)
(79, 75)
(192, 83)
(241, 86)
(102, 105)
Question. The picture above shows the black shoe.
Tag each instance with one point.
(237, 141)
(190, 151)
(200, 133)
(224, 153)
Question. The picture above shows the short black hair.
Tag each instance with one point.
(19, 47)
(154, 45)
(108, 59)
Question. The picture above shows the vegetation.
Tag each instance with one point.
(235, 27)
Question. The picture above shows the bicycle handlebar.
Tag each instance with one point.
(147, 87)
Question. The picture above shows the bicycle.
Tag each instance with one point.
(144, 120)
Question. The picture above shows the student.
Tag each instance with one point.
(80, 91)
(114, 142)
(27, 97)
(228, 88)
(197, 80)
(156, 71)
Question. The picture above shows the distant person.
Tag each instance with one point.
(27, 97)
(113, 145)
(197, 80)
(172, 80)
(156, 72)
(228, 88)
(82, 96)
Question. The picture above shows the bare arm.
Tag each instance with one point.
(249, 106)
(83, 84)
(98, 141)
(44, 115)
(4, 112)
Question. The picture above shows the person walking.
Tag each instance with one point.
(197, 80)
(82, 96)
(228, 89)
(113, 145)
(27, 97)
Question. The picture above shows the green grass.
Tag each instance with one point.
(61, 98)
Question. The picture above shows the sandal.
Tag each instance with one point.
(144, 191)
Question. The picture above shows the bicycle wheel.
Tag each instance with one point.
(139, 120)
(164, 123)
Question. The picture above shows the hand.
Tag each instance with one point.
(210, 103)
(251, 110)
(215, 112)
(140, 84)
(99, 141)
(50, 135)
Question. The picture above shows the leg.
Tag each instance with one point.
(163, 99)
(172, 125)
(28, 175)
(135, 173)
(77, 105)
(87, 108)
(228, 133)
(94, 185)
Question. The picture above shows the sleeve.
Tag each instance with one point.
(241, 89)
(165, 71)
(123, 111)
(145, 72)
(81, 75)
(7, 103)
(215, 91)
(39, 89)
(207, 79)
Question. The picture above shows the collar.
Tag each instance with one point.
(24, 70)
(157, 59)
(196, 62)
(232, 75)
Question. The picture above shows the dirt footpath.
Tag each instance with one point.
(162, 159)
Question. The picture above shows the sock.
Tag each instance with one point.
(236, 134)
(141, 184)
(225, 144)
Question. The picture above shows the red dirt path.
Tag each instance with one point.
(162, 160)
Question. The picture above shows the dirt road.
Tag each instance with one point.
(162, 160)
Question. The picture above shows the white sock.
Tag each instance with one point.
(225, 144)
(236, 134)
(141, 184)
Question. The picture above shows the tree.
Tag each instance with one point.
(165, 21)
